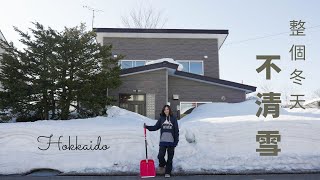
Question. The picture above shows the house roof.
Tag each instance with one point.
(184, 31)
(207, 79)
(216, 81)
(219, 34)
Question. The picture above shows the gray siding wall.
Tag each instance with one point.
(189, 90)
(153, 82)
(178, 49)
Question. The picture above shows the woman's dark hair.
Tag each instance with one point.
(170, 111)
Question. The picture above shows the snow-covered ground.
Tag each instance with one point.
(214, 138)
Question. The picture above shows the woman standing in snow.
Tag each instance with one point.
(169, 138)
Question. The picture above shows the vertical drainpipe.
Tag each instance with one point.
(167, 100)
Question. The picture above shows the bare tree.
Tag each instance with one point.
(144, 17)
(285, 93)
(266, 88)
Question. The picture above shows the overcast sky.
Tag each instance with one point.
(246, 20)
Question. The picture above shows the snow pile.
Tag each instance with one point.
(115, 111)
(170, 60)
(221, 109)
(122, 132)
(214, 138)
(247, 109)
(221, 137)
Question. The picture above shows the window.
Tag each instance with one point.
(187, 107)
(195, 67)
(140, 63)
(124, 64)
(185, 66)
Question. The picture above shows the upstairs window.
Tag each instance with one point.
(195, 67)
(124, 64)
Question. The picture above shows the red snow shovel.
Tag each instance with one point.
(147, 168)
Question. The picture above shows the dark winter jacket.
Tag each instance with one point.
(169, 133)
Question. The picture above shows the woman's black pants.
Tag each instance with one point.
(162, 161)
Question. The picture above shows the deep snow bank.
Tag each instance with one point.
(214, 138)
(122, 132)
(221, 137)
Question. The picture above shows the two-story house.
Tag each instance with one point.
(147, 88)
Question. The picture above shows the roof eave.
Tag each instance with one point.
(168, 31)
(243, 87)
(219, 34)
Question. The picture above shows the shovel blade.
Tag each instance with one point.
(147, 168)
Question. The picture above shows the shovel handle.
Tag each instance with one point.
(145, 140)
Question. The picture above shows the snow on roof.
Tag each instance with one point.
(170, 60)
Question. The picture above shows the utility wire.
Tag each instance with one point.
(267, 36)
